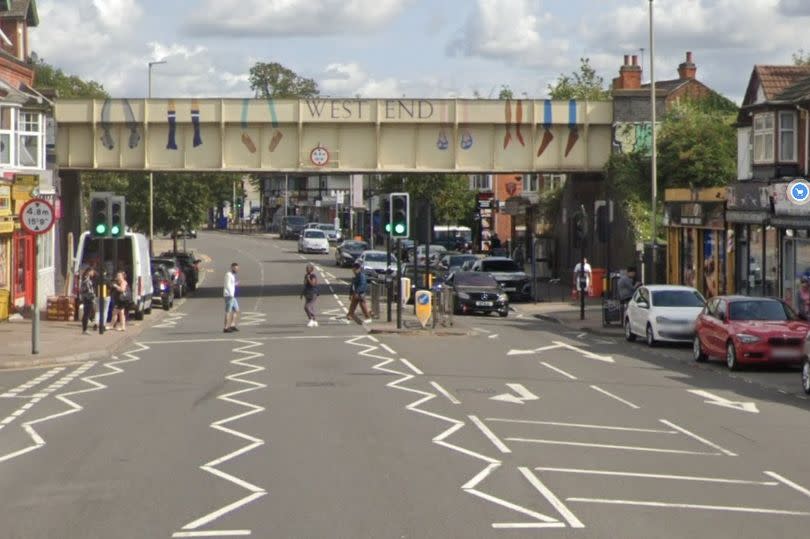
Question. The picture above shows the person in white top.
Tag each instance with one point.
(581, 271)
(231, 305)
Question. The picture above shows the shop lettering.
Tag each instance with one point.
(354, 109)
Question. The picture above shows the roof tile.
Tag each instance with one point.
(776, 79)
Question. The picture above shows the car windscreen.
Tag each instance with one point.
(456, 261)
(499, 265)
(474, 279)
(760, 310)
(327, 227)
(314, 234)
(677, 298)
(378, 257)
(354, 246)
(296, 220)
(165, 261)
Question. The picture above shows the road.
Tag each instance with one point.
(519, 429)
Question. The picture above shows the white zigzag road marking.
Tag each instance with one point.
(255, 492)
(171, 320)
(28, 426)
(492, 464)
(252, 318)
(32, 383)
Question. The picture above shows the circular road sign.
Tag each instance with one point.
(798, 192)
(37, 216)
(319, 156)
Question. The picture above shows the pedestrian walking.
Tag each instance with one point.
(582, 274)
(231, 305)
(310, 295)
(626, 287)
(122, 299)
(87, 295)
(357, 292)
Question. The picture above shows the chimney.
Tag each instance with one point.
(629, 74)
(687, 70)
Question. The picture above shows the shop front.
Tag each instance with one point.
(699, 253)
(6, 242)
(792, 225)
(756, 241)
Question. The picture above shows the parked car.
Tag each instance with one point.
(162, 285)
(185, 233)
(748, 330)
(333, 234)
(189, 264)
(375, 266)
(175, 272)
(406, 249)
(348, 251)
(313, 240)
(291, 226)
(512, 278)
(451, 263)
(436, 253)
(477, 292)
(663, 313)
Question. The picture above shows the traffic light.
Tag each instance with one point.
(99, 215)
(117, 216)
(400, 222)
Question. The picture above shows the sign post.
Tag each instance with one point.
(36, 218)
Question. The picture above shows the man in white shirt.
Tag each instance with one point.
(231, 305)
(582, 272)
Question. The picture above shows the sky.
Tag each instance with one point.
(413, 48)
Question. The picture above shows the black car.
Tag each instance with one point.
(189, 264)
(162, 285)
(175, 269)
(511, 277)
(348, 251)
(477, 292)
(292, 226)
(453, 262)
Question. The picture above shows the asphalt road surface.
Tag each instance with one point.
(520, 429)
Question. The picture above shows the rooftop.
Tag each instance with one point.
(776, 79)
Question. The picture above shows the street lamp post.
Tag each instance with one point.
(654, 160)
(151, 174)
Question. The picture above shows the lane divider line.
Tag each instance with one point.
(615, 397)
(22, 388)
(491, 436)
(698, 438)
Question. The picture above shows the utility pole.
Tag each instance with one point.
(151, 174)
(654, 165)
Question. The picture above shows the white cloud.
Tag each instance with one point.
(513, 30)
(344, 80)
(268, 18)
(795, 7)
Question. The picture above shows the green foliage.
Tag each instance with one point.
(506, 93)
(584, 84)
(275, 80)
(801, 58)
(697, 147)
(67, 86)
(450, 195)
(549, 206)
(628, 181)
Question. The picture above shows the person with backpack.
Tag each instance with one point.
(310, 295)
(87, 296)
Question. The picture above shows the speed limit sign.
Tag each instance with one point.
(37, 216)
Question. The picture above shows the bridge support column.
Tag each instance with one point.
(70, 193)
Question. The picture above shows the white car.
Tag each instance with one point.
(313, 240)
(663, 313)
(436, 254)
(333, 234)
(374, 266)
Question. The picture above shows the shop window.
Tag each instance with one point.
(481, 182)
(763, 137)
(7, 122)
(531, 183)
(553, 181)
(30, 140)
(787, 136)
(45, 251)
(4, 263)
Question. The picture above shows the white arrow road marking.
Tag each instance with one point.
(556, 346)
(523, 395)
(711, 398)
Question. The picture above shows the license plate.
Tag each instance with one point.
(484, 304)
(510, 289)
(785, 354)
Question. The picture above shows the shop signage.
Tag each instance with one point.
(749, 197)
(791, 199)
(5, 200)
(696, 214)
(6, 227)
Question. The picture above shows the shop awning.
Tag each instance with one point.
(791, 222)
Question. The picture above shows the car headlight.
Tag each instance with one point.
(503, 297)
(463, 295)
(745, 338)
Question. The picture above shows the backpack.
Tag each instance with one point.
(87, 291)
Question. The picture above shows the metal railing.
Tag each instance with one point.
(443, 308)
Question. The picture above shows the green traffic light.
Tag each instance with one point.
(388, 228)
(399, 228)
(101, 228)
(115, 230)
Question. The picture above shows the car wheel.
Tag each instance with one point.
(139, 313)
(628, 333)
(503, 314)
(697, 351)
(649, 336)
(806, 376)
(731, 357)
(166, 305)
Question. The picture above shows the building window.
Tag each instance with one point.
(45, 251)
(553, 181)
(30, 140)
(763, 138)
(531, 183)
(7, 138)
(481, 182)
(787, 136)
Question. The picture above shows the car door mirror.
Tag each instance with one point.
(643, 305)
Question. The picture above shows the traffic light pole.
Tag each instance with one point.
(582, 284)
(399, 284)
(387, 276)
(102, 284)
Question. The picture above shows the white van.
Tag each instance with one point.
(133, 257)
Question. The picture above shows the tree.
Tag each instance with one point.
(801, 58)
(584, 84)
(697, 147)
(275, 80)
(506, 93)
(66, 86)
(628, 181)
(449, 194)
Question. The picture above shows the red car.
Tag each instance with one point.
(749, 330)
